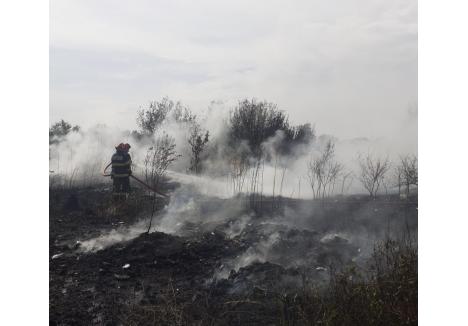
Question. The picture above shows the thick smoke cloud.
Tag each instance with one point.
(79, 157)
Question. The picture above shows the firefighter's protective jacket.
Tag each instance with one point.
(121, 165)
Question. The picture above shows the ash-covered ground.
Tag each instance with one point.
(205, 260)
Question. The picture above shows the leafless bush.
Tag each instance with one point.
(246, 175)
(239, 166)
(373, 170)
(256, 182)
(323, 171)
(197, 141)
(281, 172)
(398, 177)
(238, 174)
(347, 179)
(407, 172)
(158, 158)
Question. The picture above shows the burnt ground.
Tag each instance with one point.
(218, 263)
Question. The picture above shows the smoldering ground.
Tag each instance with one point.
(262, 208)
(208, 248)
(236, 229)
(220, 197)
(282, 233)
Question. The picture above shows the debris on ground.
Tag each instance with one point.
(216, 267)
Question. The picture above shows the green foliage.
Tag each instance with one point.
(294, 136)
(254, 122)
(150, 120)
(182, 114)
(59, 130)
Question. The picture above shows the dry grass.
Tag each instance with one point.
(383, 293)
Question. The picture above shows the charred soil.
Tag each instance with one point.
(298, 263)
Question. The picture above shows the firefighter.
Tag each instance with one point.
(121, 170)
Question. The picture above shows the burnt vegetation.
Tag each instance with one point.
(256, 257)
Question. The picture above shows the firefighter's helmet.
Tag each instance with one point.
(120, 147)
(123, 147)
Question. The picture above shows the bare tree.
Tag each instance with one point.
(197, 141)
(280, 169)
(373, 170)
(347, 179)
(323, 171)
(398, 177)
(239, 165)
(409, 171)
(257, 167)
(239, 168)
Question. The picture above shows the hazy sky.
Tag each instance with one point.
(348, 66)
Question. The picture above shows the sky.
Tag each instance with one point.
(349, 66)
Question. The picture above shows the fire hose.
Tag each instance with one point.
(105, 174)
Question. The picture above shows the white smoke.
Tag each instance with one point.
(109, 238)
(80, 156)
